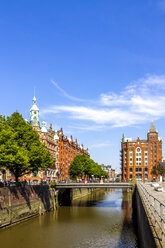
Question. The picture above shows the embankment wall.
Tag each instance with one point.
(143, 226)
(20, 203)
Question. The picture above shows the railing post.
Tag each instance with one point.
(156, 223)
(163, 229)
(161, 210)
(162, 222)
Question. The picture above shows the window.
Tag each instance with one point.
(154, 146)
(130, 159)
(151, 147)
(145, 158)
(138, 169)
(138, 149)
(130, 169)
(146, 144)
(146, 169)
(130, 176)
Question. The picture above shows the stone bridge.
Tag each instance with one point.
(92, 185)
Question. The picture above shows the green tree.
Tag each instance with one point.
(76, 167)
(158, 170)
(87, 165)
(20, 148)
(83, 165)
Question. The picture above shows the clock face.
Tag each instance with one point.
(35, 112)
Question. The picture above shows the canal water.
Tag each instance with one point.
(102, 219)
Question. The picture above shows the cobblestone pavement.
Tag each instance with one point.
(158, 195)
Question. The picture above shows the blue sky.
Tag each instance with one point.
(98, 67)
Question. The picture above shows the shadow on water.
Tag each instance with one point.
(128, 237)
(113, 203)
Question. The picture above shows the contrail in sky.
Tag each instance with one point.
(64, 93)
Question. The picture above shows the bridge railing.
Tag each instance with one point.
(155, 209)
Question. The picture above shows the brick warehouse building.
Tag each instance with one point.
(62, 149)
(139, 156)
(68, 149)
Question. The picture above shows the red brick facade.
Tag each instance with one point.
(68, 149)
(138, 157)
(63, 151)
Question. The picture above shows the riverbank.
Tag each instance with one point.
(21, 203)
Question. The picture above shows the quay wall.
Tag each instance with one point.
(143, 225)
(20, 203)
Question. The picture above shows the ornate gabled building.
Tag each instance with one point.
(68, 149)
(139, 156)
(62, 149)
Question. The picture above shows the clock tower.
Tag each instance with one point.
(34, 114)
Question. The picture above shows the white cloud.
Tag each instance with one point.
(98, 145)
(141, 101)
(88, 127)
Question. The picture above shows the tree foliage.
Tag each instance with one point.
(83, 165)
(20, 148)
(158, 170)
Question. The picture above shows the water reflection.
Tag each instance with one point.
(102, 219)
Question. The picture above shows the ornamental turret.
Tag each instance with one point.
(56, 137)
(34, 114)
(44, 129)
